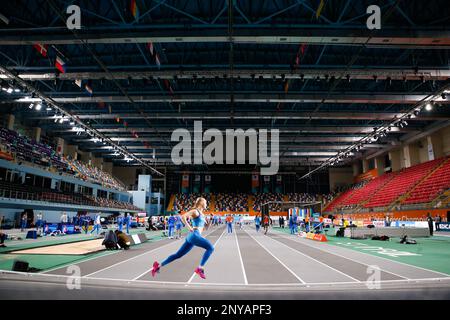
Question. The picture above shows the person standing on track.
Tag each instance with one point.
(97, 224)
(178, 226)
(127, 222)
(257, 223)
(430, 223)
(193, 239)
(229, 220)
(266, 222)
(119, 223)
(171, 224)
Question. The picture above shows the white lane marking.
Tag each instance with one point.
(214, 245)
(393, 261)
(80, 261)
(132, 258)
(285, 266)
(36, 276)
(320, 262)
(240, 258)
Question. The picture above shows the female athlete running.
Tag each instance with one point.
(193, 239)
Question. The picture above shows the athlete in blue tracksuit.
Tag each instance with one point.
(194, 239)
(120, 223)
(294, 225)
(257, 223)
(171, 225)
(127, 222)
(178, 226)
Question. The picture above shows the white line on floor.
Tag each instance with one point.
(285, 266)
(132, 258)
(393, 261)
(240, 258)
(214, 245)
(80, 261)
(320, 262)
(36, 276)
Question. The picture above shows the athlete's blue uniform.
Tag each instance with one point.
(120, 223)
(127, 222)
(171, 223)
(257, 223)
(193, 239)
(178, 223)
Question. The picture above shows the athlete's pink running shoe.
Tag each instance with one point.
(200, 272)
(155, 268)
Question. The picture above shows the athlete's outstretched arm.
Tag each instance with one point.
(186, 215)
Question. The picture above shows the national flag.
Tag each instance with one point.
(286, 86)
(109, 109)
(88, 87)
(125, 124)
(320, 8)
(158, 63)
(297, 60)
(41, 48)
(101, 104)
(118, 119)
(60, 64)
(78, 82)
(134, 9)
(150, 47)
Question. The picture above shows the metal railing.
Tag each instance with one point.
(50, 197)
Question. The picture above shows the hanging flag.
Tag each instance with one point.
(78, 82)
(286, 86)
(303, 48)
(150, 47)
(146, 144)
(134, 9)
(118, 119)
(101, 104)
(158, 63)
(109, 109)
(320, 8)
(88, 87)
(42, 49)
(125, 124)
(60, 64)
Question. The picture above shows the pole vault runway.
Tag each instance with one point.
(244, 264)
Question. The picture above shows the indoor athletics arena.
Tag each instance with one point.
(177, 149)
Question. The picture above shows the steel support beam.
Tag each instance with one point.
(256, 116)
(245, 98)
(355, 74)
(257, 34)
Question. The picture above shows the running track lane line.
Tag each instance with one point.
(217, 241)
(222, 284)
(360, 262)
(240, 258)
(132, 258)
(285, 266)
(320, 262)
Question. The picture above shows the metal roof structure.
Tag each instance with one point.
(327, 82)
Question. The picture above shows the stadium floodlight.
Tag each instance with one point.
(38, 106)
(429, 106)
